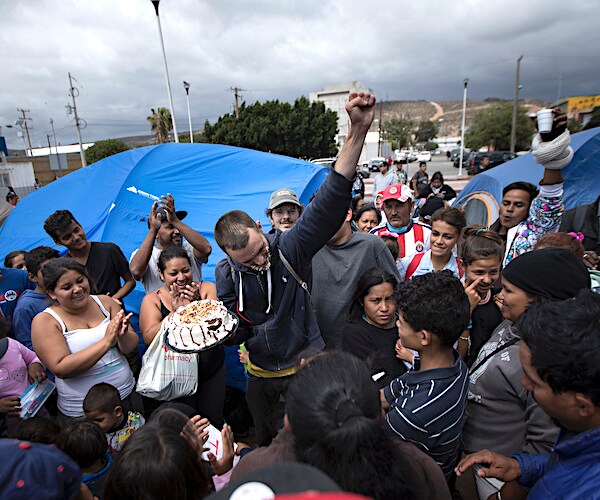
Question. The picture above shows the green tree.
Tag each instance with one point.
(161, 124)
(594, 119)
(492, 127)
(399, 129)
(301, 130)
(426, 131)
(102, 149)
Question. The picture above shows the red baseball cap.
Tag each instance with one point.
(400, 192)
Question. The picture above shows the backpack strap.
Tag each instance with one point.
(498, 349)
(413, 266)
(296, 276)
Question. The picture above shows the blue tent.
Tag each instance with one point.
(483, 193)
(112, 198)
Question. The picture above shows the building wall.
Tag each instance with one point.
(40, 169)
(335, 97)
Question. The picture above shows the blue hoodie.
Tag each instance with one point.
(277, 321)
(572, 471)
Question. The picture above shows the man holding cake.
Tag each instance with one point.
(265, 279)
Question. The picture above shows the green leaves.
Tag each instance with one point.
(301, 130)
(492, 126)
(161, 124)
(102, 149)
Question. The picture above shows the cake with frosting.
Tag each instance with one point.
(199, 325)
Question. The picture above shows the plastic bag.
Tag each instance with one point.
(166, 374)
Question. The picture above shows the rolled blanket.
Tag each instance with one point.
(554, 155)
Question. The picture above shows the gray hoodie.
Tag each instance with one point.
(502, 415)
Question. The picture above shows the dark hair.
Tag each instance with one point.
(454, 217)
(561, 240)
(10, 195)
(84, 442)
(102, 397)
(334, 410)
(154, 464)
(355, 199)
(231, 230)
(523, 186)
(392, 243)
(437, 175)
(36, 257)
(477, 242)
(175, 420)
(564, 339)
(38, 429)
(3, 327)
(372, 277)
(11, 255)
(169, 253)
(56, 268)
(367, 208)
(435, 302)
(421, 163)
(57, 222)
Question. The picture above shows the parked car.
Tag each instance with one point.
(423, 156)
(455, 157)
(375, 162)
(326, 162)
(496, 158)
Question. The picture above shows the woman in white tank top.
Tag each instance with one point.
(82, 337)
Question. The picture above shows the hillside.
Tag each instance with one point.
(449, 111)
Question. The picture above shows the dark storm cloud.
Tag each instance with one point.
(279, 50)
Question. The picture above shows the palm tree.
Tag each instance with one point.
(161, 124)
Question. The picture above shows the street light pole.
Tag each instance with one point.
(186, 86)
(462, 131)
(155, 3)
(513, 132)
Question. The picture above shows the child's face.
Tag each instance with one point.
(18, 262)
(443, 238)
(486, 269)
(380, 306)
(39, 276)
(408, 336)
(107, 420)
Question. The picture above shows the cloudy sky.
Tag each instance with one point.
(278, 49)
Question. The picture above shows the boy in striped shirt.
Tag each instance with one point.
(427, 404)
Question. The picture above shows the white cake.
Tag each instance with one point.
(199, 325)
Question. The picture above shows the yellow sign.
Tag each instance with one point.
(583, 103)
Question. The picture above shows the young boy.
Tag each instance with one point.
(427, 403)
(102, 404)
(31, 302)
(104, 261)
(560, 356)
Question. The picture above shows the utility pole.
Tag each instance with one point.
(379, 129)
(236, 93)
(54, 135)
(462, 129)
(24, 125)
(74, 92)
(560, 83)
(55, 147)
(513, 132)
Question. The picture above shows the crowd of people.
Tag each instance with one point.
(386, 349)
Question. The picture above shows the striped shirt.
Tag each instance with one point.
(415, 240)
(427, 409)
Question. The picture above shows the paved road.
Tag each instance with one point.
(437, 163)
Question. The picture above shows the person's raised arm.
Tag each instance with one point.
(127, 339)
(202, 248)
(361, 110)
(552, 168)
(139, 261)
